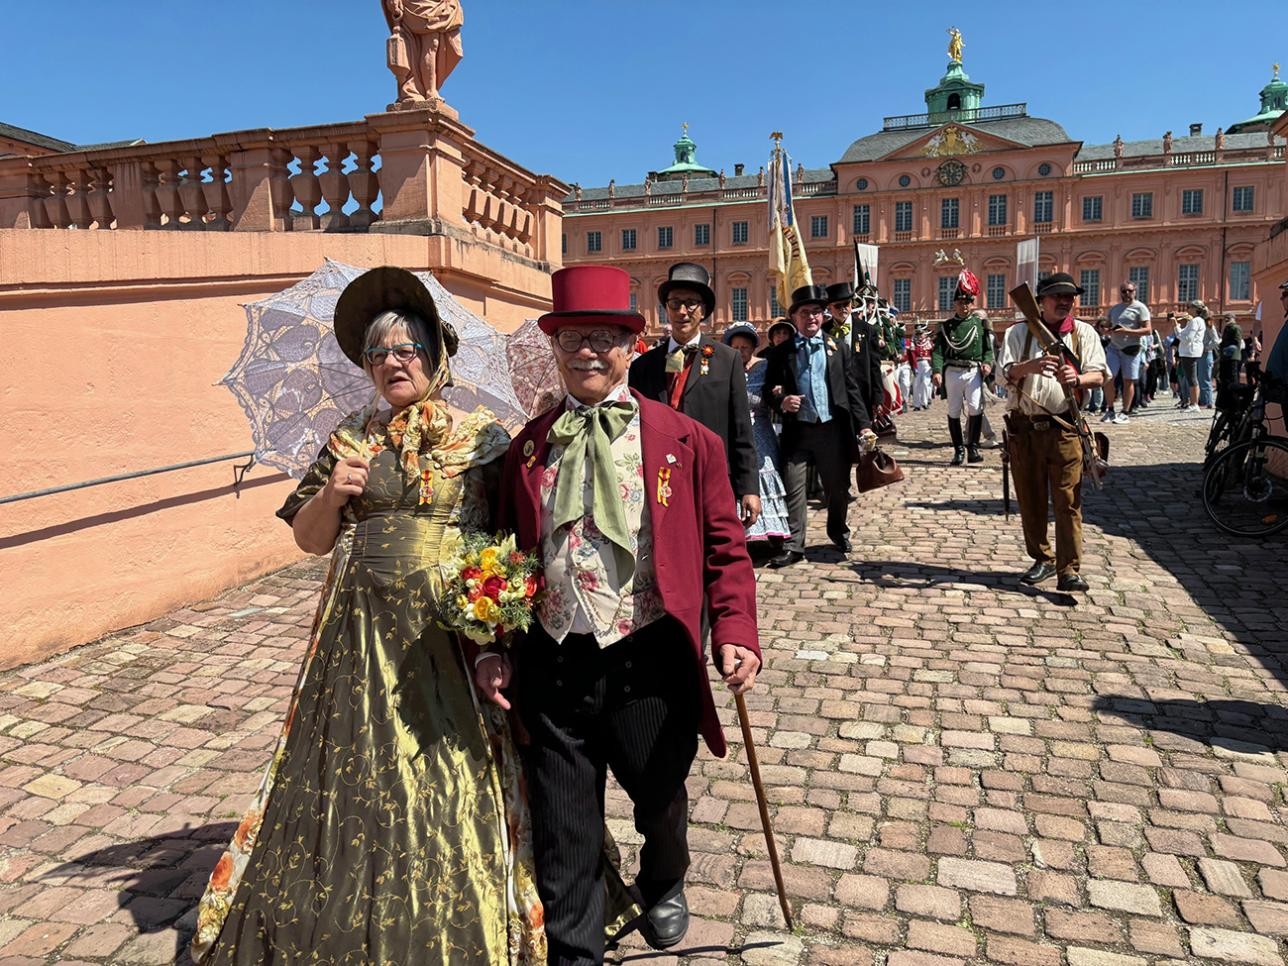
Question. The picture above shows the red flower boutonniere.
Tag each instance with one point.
(664, 486)
(707, 353)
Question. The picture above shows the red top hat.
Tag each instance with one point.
(591, 293)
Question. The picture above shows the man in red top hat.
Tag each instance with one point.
(629, 506)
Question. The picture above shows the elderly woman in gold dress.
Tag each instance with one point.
(390, 826)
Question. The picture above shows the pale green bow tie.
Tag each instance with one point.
(588, 433)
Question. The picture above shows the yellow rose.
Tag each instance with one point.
(485, 609)
(488, 558)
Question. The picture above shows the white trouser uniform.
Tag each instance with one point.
(922, 387)
(965, 388)
(903, 372)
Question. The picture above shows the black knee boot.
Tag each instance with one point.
(973, 428)
(959, 451)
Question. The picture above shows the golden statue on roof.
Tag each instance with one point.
(955, 45)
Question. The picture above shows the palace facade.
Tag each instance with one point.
(1180, 215)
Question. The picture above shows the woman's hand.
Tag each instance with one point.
(792, 404)
(492, 673)
(348, 479)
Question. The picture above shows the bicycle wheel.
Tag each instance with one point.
(1245, 490)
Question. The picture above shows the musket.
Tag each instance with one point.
(1022, 295)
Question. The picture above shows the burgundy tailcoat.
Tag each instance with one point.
(699, 550)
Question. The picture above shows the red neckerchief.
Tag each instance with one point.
(1066, 326)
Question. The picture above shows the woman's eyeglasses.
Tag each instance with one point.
(403, 353)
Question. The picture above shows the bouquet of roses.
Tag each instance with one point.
(491, 588)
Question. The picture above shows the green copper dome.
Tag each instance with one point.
(955, 92)
(1274, 101)
(686, 160)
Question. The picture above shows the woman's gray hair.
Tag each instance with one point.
(389, 321)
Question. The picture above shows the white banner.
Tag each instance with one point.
(869, 255)
(1026, 266)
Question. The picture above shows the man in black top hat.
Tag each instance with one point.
(843, 325)
(702, 378)
(823, 413)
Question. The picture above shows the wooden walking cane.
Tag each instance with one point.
(754, 766)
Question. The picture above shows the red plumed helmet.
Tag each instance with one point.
(967, 284)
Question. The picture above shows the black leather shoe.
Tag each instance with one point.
(667, 922)
(973, 455)
(786, 559)
(959, 456)
(842, 544)
(1069, 583)
(1039, 572)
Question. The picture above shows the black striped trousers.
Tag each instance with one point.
(632, 707)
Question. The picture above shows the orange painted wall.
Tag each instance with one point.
(114, 345)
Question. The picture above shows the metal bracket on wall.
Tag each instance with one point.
(239, 474)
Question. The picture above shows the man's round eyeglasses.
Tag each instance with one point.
(403, 353)
(676, 304)
(600, 340)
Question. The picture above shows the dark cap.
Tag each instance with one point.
(1060, 283)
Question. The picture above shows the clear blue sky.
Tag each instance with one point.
(595, 89)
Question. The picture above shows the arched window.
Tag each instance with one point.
(954, 102)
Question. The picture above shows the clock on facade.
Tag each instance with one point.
(951, 173)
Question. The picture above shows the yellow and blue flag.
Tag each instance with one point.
(788, 266)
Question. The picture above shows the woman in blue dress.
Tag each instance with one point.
(771, 528)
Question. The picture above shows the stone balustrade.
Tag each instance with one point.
(410, 171)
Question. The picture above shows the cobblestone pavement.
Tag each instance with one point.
(961, 769)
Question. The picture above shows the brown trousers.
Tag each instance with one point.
(1049, 461)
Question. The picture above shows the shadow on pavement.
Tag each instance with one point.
(160, 878)
(889, 573)
(1239, 584)
(1239, 727)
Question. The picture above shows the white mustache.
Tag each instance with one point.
(588, 365)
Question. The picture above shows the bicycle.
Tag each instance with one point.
(1232, 422)
(1245, 484)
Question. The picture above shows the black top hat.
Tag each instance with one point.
(383, 289)
(840, 292)
(691, 276)
(809, 295)
(1061, 283)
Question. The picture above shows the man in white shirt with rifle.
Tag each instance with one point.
(1047, 361)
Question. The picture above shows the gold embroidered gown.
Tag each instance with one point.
(390, 826)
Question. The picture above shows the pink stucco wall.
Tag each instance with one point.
(114, 344)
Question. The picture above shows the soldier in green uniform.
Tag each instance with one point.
(962, 357)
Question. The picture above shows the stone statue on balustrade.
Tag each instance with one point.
(424, 46)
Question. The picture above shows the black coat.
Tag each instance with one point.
(866, 359)
(844, 396)
(717, 400)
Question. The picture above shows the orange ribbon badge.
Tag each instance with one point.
(664, 486)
